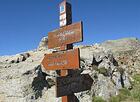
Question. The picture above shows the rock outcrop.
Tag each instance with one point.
(43, 45)
(110, 64)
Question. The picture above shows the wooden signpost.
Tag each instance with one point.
(66, 58)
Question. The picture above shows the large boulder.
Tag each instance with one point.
(104, 87)
(43, 45)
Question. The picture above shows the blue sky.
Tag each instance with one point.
(24, 22)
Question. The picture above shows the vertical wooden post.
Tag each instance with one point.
(65, 72)
(64, 21)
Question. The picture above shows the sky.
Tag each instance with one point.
(24, 22)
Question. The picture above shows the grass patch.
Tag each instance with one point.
(123, 95)
(115, 99)
(98, 99)
(131, 95)
(136, 78)
(125, 92)
(135, 92)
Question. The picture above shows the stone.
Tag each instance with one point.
(126, 81)
(43, 45)
(104, 87)
(116, 79)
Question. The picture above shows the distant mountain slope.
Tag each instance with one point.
(124, 44)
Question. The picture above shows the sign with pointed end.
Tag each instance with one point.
(67, 35)
(67, 85)
(62, 60)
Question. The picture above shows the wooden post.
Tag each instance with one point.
(64, 21)
(65, 72)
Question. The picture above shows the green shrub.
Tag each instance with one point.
(103, 71)
(98, 99)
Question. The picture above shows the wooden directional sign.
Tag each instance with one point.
(68, 85)
(62, 60)
(66, 35)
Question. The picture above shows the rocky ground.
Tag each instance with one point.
(110, 64)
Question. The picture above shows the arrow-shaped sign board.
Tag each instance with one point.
(66, 35)
(62, 60)
(68, 85)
